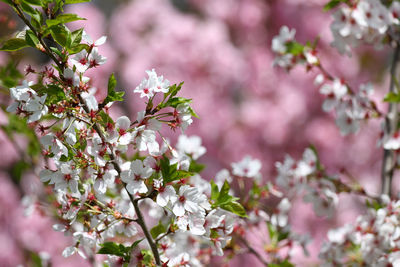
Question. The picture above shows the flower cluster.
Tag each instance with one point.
(373, 240)
(351, 108)
(104, 170)
(366, 21)
(28, 102)
(307, 177)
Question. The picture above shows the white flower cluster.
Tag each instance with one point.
(247, 167)
(154, 84)
(187, 205)
(85, 60)
(27, 102)
(279, 46)
(288, 52)
(372, 241)
(302, 177)
(366, 21)
(351, 108)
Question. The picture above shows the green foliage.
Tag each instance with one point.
(318, 163)
(31, 39)
(63, 18)
(75, 1)
(276, 235)
(35, 259)
(112, 94)
(147, 258)
(14, 44)
(175, 101)
(392, 97)
(284, 263)
(62, 35)
(174, 89)
(158, 230)
(18, 170)
(222, 199)
(171, 173)
(333, 3)
(294, 48)
(9, 75)
(196, 167)
(54, 93)
(20, 126)
(373, 204)
(70, 156)
(120, 250)
(34, 2)
(9, 2)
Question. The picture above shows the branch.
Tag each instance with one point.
(46, 48)
(391, 119)
(252, 250)
(139, 214)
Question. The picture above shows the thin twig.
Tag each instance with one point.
(252, 250)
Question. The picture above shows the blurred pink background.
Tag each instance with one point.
(221, 50)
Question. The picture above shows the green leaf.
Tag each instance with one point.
(31, 39)
(14, 44)
(294, 48)
(112, 94)
(164, 165)
(63, 18)
(373, 204)
(7, 2)
(214, 191)
(174, 89)
(175, 101)
(392, 97)
(194, 114)
(76, 37)
(77, 48)
(283, 235)
(18, 170)
(318, 163)
(196, 167)
(158, 230)
(272, 231)
(110, 248)
(33, 2)
(225, 201)
(147, 257)
(9, 75)
(332, 4)
(75, 1)
(112, 83)
(171, 173)
(58, 6)
(235, 207)
(35, 259)
(224, 196)
(54, 93)
(136, 243)
(284, 263)
(61, 35)
(27, 8)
